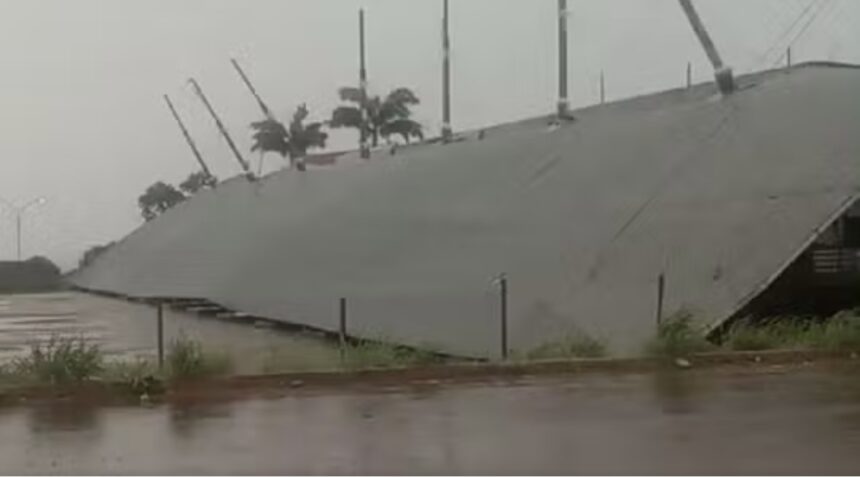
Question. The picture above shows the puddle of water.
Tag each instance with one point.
(684, 423)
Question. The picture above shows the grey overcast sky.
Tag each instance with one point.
(82, 121)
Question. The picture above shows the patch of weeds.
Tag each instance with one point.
(382, 354)
(572, 345)
(787, 332)
(140, 377)
(677, 337)
(11, 378)
(840, 333)
(744, 337)
(61, 360)
(186, 358)
(290, 358)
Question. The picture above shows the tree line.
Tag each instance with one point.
(374, 117)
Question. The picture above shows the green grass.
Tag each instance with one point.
(839, 333)
(677, 337)
(382, 354)
(10, 378)
(572, 345)
(140, 376)
(61, 360)
(186, 358)
(775, 333)
(299, 357)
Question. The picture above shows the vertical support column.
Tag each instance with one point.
(503, 315)
(18, 233)
(689, 75)
(362, 84)
(602, 88)
(342, 328)
(563, 104)
(661, 289)
(160, 335)
(446, 76)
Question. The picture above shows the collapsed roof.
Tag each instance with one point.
(718, 193)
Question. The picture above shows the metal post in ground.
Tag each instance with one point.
(689, 75)
(563, 105)
(364, 149)
(160, 335)
(503, 315)
(602, 88)
(661, 288)
(342, 329)
(446, 77)
(18, 233)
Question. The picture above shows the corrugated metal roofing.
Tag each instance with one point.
(717, 193)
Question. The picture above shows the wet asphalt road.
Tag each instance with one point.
(694, 422)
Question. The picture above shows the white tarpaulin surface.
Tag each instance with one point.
(717, 193)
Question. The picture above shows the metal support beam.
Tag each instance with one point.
(188, 138)
(563, 106)
(602, 88)
(722, 73)
(244, 164)
(260, 103)
(446, 76)
(364, 150)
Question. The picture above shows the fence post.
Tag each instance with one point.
(661, 288)
(342, 328)
(503, 297)
(160, 335)
(602, 88)
(689, 75)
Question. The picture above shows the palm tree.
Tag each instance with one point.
(197, 181)
(158, 198)
(270, 135)
(384, 117)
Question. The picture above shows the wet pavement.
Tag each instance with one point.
(796, 422)
(128, 330)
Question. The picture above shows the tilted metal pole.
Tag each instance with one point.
(253, 90)
(188, 138)
(722, 73)
(222, 129)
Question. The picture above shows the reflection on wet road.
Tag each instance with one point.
(129, 330)
(691, 422)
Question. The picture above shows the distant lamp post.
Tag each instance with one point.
(19, 212)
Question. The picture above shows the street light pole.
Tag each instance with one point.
(18, 233)
(19, 212)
